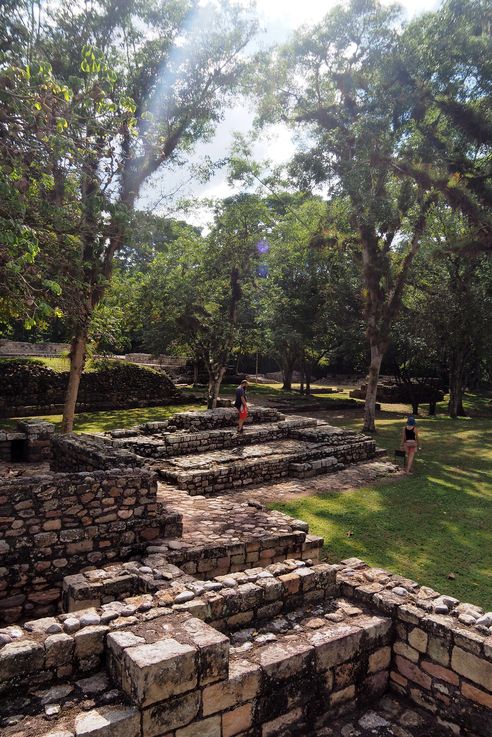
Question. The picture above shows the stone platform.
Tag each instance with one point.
(209, 460)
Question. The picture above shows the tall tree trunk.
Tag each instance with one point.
(287, 372)
(214, 381)
(303, 372)
(195, 373)
(372, 388)
(308, 370)
(455, 406)
(77, 362)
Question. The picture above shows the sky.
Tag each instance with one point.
(278, 19)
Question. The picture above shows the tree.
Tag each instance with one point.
(148, 80)
(200, 290)
(337, 81)
(37, 237)
(445, 74)
(309, 293)
(447, 316)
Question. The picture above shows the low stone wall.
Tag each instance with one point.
(224, 564)
(13, 348)
(51, 526)
(152, 442)
(27, 388)
(414, 391)
(89, 453)
(30, 442)
(264, 652)
(442, 649)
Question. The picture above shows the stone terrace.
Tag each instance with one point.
(289, 650)
(202, 452)
(217, 619)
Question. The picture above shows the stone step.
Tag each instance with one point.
(206, 562)
(162, 565)
(216, 471)
(166, 444)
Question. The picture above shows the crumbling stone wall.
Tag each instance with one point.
(51, 526)
(30, 442)
(442, 648)
(89, 453)
(187, 662)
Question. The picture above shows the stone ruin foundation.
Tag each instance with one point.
(143, 597)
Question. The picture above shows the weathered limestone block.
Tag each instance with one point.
(90, 640)
(439, 650)
(475, 669)
(19, 659)
(412, 671)
(169, 715)
(157, 671)
(59, 650)
(237, 721)
(418, 639)
(379, 660)
(242, 685)
(336, 645)
(109, 721)
(210, 727)
(284, 660)
(213, 651)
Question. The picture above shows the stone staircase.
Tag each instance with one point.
(272, 447)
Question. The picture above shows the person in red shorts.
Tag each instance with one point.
(241, 404)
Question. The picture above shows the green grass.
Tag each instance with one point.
(57, 363)
(433, 523)
(112, 419)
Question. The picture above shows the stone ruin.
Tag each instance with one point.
(413, 391)
(143, 595)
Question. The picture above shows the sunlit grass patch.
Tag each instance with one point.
(434, 524)
(111, 419)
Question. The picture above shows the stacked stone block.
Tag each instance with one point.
(35, 437)
(442, 649)
(51, 526)
(89, 453)
(177, 673)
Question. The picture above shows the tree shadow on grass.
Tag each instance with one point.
(426, 526)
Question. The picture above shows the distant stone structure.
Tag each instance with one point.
(413, 392)
(13, 348)
(30, 389)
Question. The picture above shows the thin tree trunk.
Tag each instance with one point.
(287, 373)
(77, 362)
(195, 373)
(215, 380)
(372, 388)
(455, 407)
(308, 368)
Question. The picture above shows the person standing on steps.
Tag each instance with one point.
(410, 442)
(241, 404)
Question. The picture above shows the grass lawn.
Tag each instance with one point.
(112, 419)
(434, 523)
(57, 363)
